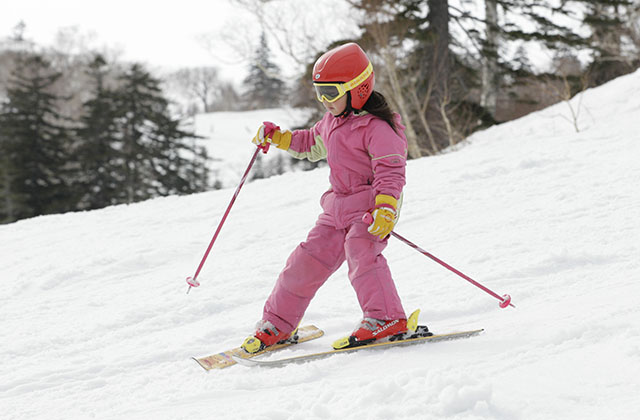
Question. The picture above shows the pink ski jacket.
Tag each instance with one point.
(366, 157)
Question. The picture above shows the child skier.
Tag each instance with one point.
(364, 144)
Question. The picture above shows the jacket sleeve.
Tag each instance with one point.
(308, 144)
(388, 152)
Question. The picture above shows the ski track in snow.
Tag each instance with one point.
(96, 322)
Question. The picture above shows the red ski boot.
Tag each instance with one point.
(370, 330)
(266, 335)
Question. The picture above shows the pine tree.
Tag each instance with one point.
(99, 151)
(508, 25)
(449, 70)
(610, 24)
(10, 199)
(414, 40)
(156, 158)
(263, 87)
(36, 164)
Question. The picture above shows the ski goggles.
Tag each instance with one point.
(331, 92)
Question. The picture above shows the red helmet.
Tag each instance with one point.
(349, 65)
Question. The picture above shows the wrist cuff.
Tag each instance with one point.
(282, 140)
(383, 200)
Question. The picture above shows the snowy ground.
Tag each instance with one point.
(96, 322)
(226, 134)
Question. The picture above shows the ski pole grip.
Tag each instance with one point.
(264, 147)
(367, 218)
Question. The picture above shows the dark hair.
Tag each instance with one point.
(377, 105)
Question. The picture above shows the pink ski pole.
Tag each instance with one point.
(193, 281)
(505, 300)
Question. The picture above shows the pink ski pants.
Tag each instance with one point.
(314, 260)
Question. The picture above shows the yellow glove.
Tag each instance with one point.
(384, 216)
(270, 133)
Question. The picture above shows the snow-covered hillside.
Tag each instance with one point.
(96, 322)
(226, 135)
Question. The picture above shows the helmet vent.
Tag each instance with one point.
(363, 89)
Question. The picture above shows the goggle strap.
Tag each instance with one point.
(360, 78)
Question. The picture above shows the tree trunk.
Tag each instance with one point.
(413, 147)
(438, 19)
(490, 77)
(5, 181)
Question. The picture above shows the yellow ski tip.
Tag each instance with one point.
(412, 322)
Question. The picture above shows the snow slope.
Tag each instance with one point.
(96, 322)
(225, 136)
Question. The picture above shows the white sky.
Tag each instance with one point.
(158, 33)
(162, 33)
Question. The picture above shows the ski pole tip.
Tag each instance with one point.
(506, 301)
(192, 283)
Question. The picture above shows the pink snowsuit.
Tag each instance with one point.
(366, 157)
